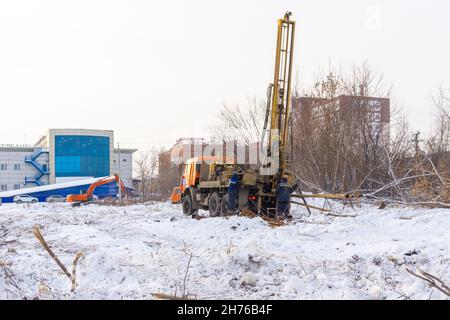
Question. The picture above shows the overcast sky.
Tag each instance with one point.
(154, 71)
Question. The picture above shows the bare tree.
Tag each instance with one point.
(433, 188)
(364, 81)
(146, 168)
(336, 151)
(342, 149)
(168, 174)
(241, 123)
(440, 139)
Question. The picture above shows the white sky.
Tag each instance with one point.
(154, 71)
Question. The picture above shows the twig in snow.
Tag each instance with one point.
(301, 265)
(4, 243)
(9, 278)
(402, 295)
(71, 276)
(309, 222)
(9, 275)
(164, 296)
(340, 215)
(74, 270)
(307, 235)
(186, 251)
(431, 280)
(41, 239)
(185, 275)
(184, 296)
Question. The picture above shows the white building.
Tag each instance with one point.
(17, 170)
(124, 165)
(63, 155)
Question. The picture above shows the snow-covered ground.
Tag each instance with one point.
(134, 251)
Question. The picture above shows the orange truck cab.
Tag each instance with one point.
(191, 173)
(192, 169)
(203, 184)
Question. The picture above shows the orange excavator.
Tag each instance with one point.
(78, 199)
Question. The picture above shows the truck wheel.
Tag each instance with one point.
(214, 205)
(224, 205)
(187, 205)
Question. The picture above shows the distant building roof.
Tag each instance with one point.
(125, 150)
(16, 148)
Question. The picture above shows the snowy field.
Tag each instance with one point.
(132, 252)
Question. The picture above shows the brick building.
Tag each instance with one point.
(375, 111)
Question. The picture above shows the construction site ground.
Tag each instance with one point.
(152, 250)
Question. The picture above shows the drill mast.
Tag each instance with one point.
(280, 105)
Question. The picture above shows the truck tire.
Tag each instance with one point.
(224, 205)
(188, 208)
(214, 205)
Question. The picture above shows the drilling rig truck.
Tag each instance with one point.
(205, 179)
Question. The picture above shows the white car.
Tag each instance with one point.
(25, 199)
(55, 198)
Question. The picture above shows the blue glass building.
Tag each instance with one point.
(64, 161)
(82, 156)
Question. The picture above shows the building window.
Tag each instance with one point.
(16, 186)
(124, 160)
(375, 105)
(377, 117)
(4, 187)
(3, 166)
(81, 156)
(17, 166)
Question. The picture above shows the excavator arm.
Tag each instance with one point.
(85, 197)
(107, 180)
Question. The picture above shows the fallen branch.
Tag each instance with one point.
(328, 212)
(431, 280)
(4, 243)
(431, 203)
(164, 296)
(334, 196)
(340, 215)
(71, 276)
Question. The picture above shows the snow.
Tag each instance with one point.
(133, 251)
